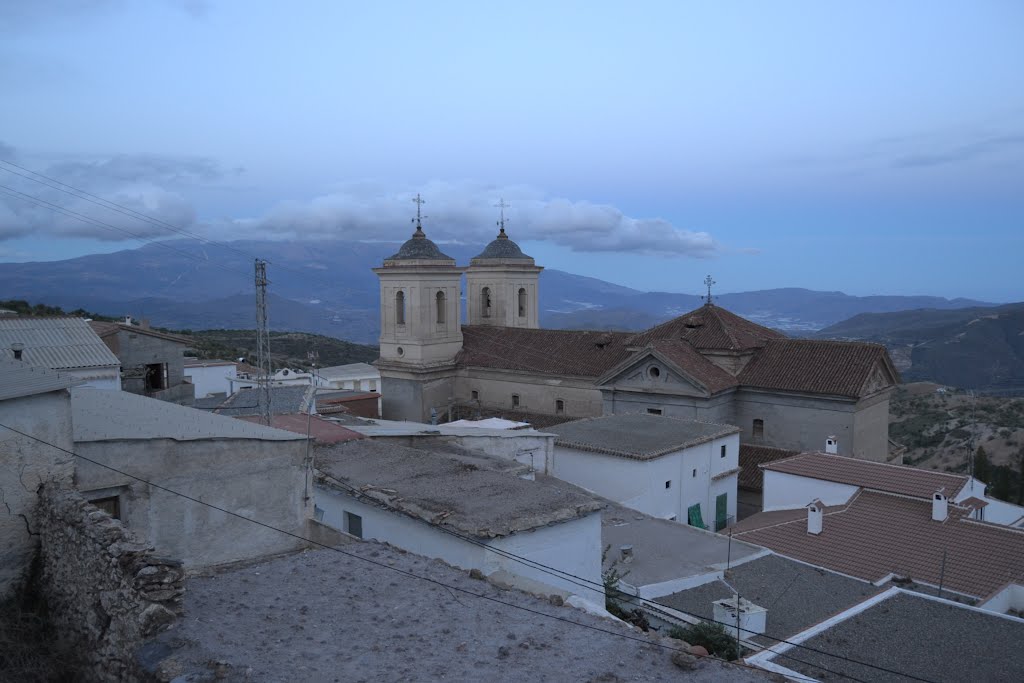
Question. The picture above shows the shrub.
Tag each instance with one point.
(712, 637)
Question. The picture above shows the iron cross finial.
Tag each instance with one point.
(708, 282)
(419, 217)
(502, 205)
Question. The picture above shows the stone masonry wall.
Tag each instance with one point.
(106, 592)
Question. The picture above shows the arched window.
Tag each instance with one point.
(400, 307)
(522, 302)
(485, 302)
(441, 305)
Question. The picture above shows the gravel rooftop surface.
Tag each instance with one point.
(929, 639)
(322, 616)
(796, 596)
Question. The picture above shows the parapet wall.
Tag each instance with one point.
(105, 590)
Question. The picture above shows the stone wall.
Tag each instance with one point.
(106, 592)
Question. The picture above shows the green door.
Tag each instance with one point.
(721, 511)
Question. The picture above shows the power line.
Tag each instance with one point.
(512, 556)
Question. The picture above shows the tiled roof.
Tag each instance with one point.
(815, 366)
(710, 328)
(637, 435)
(877, 476)
(285, 399)
(323, 431)
(56, 343)
(576, 353)
(18, 378)
(105, 329)
(690, 361)
(751, 476)
(878, 534)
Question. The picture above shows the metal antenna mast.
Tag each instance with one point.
(262, 342)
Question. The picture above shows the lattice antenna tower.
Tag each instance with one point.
(262, 342)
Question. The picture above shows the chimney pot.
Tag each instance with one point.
(127, 320)
(832, 445)
(17, 348)
(627, 553)
(940, 506)
(815, 514)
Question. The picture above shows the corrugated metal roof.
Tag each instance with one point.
(104, 415)
(56, 343)
(18, 378)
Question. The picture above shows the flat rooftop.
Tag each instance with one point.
(385, 428)
(664, 550)
(637, 436)
(470, 492)
(323, 616)
(110, 415)
(796, 595)
(933, 640)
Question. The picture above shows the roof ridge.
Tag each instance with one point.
(884, 464)
(721, 323)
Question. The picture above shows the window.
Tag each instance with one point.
(559, 407)
(758, 428)
(485, 302)
(723, 451)
(475, 394)
(441, 306)
(654, 372)
(373, 385)
(668, 484)
(353, 525)
(111, 505)
(654, 411)
(400, 308)
(515, 400)
(522, 302)
(695, 474)
(156, 376)
(318, 513)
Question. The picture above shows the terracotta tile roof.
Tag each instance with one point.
(323, 431)
(575, 353)
(710, 328)
(878, 534)
(690, 361)
(751, 476)
(816, 366)
(877, 476)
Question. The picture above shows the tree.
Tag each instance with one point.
(982, 466)
(1002, 486)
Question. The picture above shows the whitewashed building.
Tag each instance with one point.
(67, 345)
(211, 377)
(666, 467)
(469, 509)
(354, 376)
(285, 377)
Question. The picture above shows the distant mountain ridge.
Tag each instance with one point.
(328, 288)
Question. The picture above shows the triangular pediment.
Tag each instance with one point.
(882, 376)
(648, 370)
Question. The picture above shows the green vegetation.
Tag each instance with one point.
(22, 307)
(612, 595)
(712, 637)
(291, 349)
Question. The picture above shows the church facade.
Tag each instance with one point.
(708, 364)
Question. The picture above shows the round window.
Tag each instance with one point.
(401, 351)
(654, 372)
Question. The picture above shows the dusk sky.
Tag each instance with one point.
(867, 147)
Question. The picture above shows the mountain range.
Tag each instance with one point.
(328, 288)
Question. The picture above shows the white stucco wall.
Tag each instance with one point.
(212, 379)
(24, 464)
(98, 378)
(788, 491)
(640, 484)
(1010, 597)
(573, 547)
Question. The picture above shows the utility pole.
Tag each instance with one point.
(263, 342)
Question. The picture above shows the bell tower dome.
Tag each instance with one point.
(501, 284)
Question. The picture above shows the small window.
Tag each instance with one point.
(400, 308)
(695, 474)
(475, 394)
(515, 400)
(441, 307)
(111, 505)
(522, 302)
(654, 411)
(723, 451)
(559, 407)
(156, 376)
(654, 372)
(668, 484)
(485, 302)
(373, 385)
(353, 525)
(318, 513)
(758, 428)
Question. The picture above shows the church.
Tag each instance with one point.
(709, 364)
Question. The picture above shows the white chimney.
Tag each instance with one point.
(940, 506)
(127, 320)
(627, 553)
(815, 512)
(832, 445)
(16, 349)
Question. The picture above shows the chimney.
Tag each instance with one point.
(940, 506)
(627, 553)
(814, 516)
(16, 349)
(832, 445)
(128, 320)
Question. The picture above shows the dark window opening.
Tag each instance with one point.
(758, 428)
(400, 308)
(515, 400)
(668, 484)
(110, 505)
(353, 525)
(723, 451)
(695, 474)
(654, 411)
(522, 302)
(156, 376)
(559, 407)
(485, 302)
(654, 372)
(476, 395)
(441, 306)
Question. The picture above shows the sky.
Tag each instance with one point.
(869, 147)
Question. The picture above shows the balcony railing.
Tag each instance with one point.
(724, 523)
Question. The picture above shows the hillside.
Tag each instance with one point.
(974, 348)
(941, 428)
(328, 288)
(287, 349)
